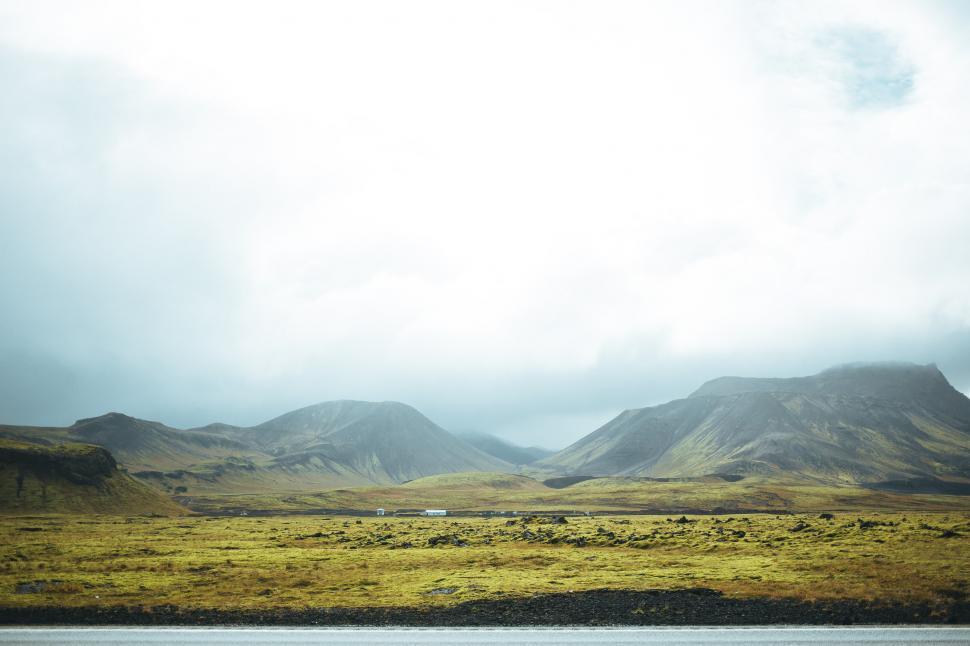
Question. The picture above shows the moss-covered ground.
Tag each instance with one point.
(306, 561)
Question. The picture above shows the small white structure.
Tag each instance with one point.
(434, 512)
(380, 511)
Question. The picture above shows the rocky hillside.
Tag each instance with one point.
(854, 423)
(72, 478)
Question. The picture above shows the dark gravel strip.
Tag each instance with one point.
(695, 607)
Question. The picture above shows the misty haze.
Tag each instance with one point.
(484, 314)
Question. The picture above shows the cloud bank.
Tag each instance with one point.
(519, 217)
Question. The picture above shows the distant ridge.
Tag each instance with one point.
(499, 448)
(851, 423)
(338, 443)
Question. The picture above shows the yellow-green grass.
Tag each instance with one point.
(303, 561)
(500, 492)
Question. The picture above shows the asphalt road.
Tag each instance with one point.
(472, 636)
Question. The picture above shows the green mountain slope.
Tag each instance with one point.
(384, 442)
(856, 423)
(72, 478)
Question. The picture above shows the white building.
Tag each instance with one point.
(434, 512)
(380, 512)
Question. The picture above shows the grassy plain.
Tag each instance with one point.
(306, 561)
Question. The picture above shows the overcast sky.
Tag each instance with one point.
(518, 217)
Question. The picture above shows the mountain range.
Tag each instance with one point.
(858, 423)
(331, 444)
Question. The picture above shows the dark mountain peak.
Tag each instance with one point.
(882, 367)
(331, 416)
(355, 407)
(114, 422)
(118, 431)
(111, 418)
(882, 372)
(897, 381)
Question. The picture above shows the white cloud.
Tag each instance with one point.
(298, 201)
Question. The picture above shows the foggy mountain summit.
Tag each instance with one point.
(899, 381)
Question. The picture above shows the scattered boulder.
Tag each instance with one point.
(32, 587)
(446, 539)
(826, 516)
(683, 520)
(799, 527)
